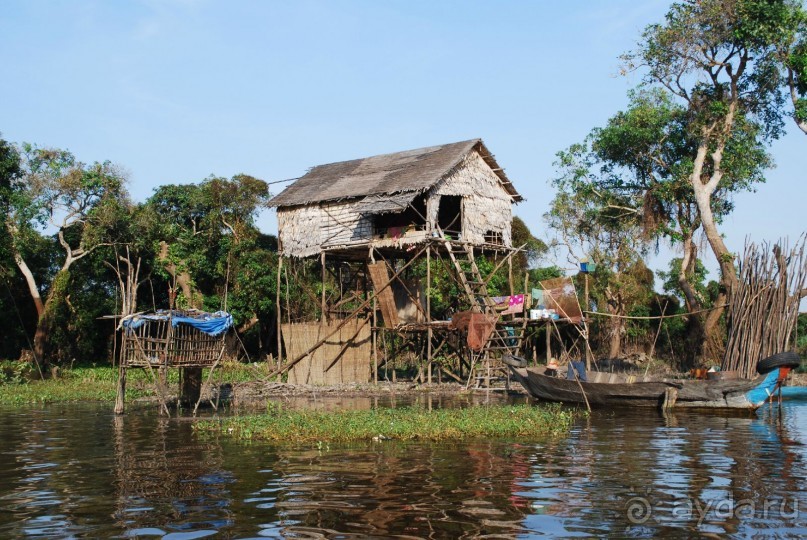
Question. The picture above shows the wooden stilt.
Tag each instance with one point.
(278, 313)
(121, 395)
(191, 385)
(588, 348)
(429, 313)
(374, 329)
(510, 274)
(374, 333)
(670, 397)
(323, 317)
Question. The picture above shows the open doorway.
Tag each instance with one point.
(449, 215)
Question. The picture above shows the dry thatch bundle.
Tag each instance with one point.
(764, 309)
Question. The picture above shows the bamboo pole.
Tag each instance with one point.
(763, 308)
(278, 313)
(510, 275)
(429, 311)
(323, 317)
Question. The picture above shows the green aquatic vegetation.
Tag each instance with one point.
(97, 383)
(282, 425)
(75, 384)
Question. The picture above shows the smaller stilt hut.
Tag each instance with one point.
(187, 339)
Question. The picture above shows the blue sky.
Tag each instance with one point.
(174, 91)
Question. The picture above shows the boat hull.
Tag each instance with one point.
(725, 394)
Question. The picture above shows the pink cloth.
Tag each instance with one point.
(515, 304)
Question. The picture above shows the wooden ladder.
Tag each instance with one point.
(506, 338)
(462, 256)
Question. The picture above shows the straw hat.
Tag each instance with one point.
(553, 364)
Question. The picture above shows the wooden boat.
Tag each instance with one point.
(606, 389)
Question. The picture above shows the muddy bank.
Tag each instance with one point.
(244, 393)
(255, 394)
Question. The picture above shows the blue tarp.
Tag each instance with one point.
(213, 324)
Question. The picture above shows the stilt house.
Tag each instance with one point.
(377, 215)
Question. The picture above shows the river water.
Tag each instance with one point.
(70, 471)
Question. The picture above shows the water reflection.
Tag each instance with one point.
(72, 471)
(162, 470)
(394, 488)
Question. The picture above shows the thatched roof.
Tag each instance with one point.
(411, 171)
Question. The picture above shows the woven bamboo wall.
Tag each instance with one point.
(188, 346)
(486, 204)
(352, 340)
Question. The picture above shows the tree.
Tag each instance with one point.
(643, 155)
(796, 66)
(9, 176)
(534, 248)
(790, 38)
(718, 58)
(58, 193)
(210, 244)
(793, 56)
(601, 226)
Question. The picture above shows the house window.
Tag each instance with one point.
(395, 224)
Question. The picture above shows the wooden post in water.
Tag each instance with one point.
(191, 385)
(121, 394)
(670, 397)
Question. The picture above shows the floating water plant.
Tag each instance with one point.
(509, 421)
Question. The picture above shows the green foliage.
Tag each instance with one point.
(721, 56)
(534, 248)
(602, 226)
(801, 110)
(209, 227)
(801, 336)
(545, 272)
(289, 426)
(20, 383)
(9, 172)
(698, 281)
(797, 61)
(15, 372)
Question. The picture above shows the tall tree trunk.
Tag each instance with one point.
(687, 270)
(30, 280)
(617, 325)
(45, 323)
(33, 289)
(703, 197)
(615, 339)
